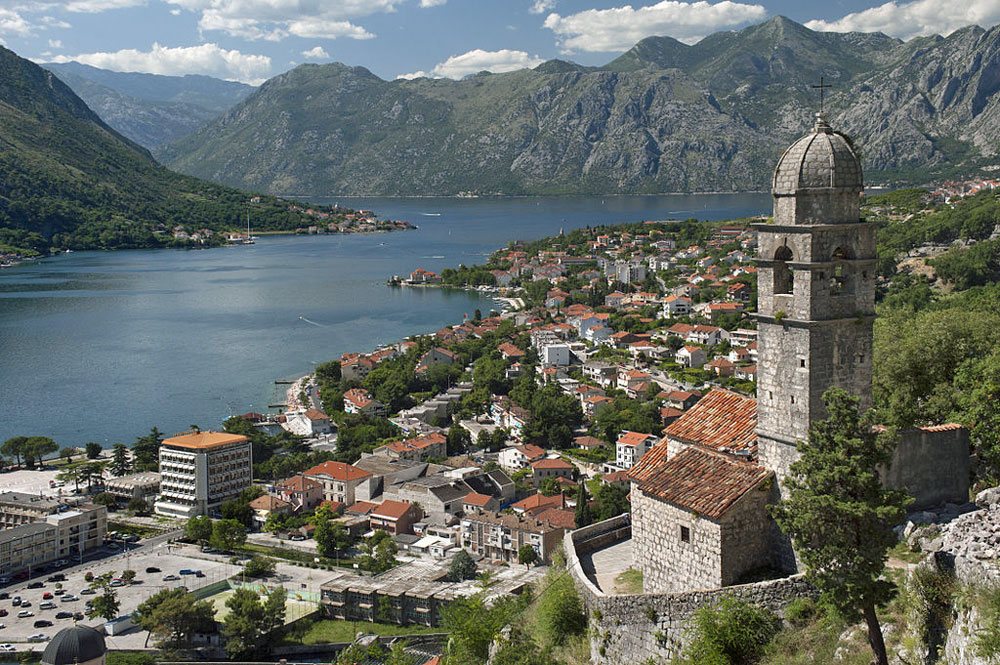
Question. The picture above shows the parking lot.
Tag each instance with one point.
(18, 629)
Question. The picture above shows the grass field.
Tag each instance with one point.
(326, 631)
(294, 609)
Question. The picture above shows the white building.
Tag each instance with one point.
(631, 446)
(555, 354)
(199, 471)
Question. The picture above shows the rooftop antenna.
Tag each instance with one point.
(822, 88)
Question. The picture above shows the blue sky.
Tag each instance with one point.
(252, 40)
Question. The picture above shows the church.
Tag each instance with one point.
(699, 497)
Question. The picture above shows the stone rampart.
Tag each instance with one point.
(632, 628)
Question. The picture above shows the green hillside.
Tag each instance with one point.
(68, 180)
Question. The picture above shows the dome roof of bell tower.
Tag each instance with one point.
(822, 159)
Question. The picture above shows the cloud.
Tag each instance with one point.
(175, 12)
(277, 19)
(917, 18)
(316, 52)
(55, 43)
(12, 23)
(542, 6)
(619, 28)
(432, 3)
(96, 6)
(478, 60)
(206, 59)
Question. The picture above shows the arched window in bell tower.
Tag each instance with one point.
(782, 274)
(841, 282)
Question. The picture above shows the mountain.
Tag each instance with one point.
(68, 179)
(148, 108)
(665, 116)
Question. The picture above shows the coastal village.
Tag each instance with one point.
(621, 420)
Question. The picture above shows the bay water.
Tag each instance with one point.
(102, 346)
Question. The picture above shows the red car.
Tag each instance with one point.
(47, 596)
(3, 612)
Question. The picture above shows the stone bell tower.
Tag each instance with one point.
(816, 293)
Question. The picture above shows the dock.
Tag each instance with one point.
(284, 382)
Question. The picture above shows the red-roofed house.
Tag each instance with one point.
(515, 458)
(631, 446)
(551, 468)
(311, 422)
(395, 517)
(267, 505)
(359, 400)
(419, 449)
(538, 502)
(510, 352)
(300, 492)
(705, 512)
(339, 480)
(690, 356)
(474, 502)
(721, 366)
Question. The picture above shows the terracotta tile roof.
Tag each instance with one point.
(539, 501)
(557, 463)
(298, 483)
(334, 506)
(633, 438)
(558, 517)
(268, 502)
(316, 414)
(615, 477)
(588, 442)
(722, 419)
(390, 509)
(705, 482)
(531, 451)
(337, 471)
(362, 507)
(476, 499)
(203, 440)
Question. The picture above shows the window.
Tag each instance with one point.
(839, 282)
(861, 359)
(802, 362)
(782, 274)
(685, 534)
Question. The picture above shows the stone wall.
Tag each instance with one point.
(933, 465)
(629, 629)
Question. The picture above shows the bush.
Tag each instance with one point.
(560, 612)
(801, 611)
(729, 633)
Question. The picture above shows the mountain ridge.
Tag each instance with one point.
(664, 116)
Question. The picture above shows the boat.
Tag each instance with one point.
(249, 240)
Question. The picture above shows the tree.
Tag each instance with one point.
(106, 499)
(71, 474)
(67, 453)
(120, 464)
(171, 615)
(458, 439)
(198, 529)
(146, 451)
(612, 501)
(462, 567)
(259, 566)
(237, 510)
(138, 506)
(549, 487)
(274, 613)
(332, 538)
(378, 553)
(36, 448)
(243, 628)
(93, 450)
(105, 603)
(582, 517)
(128, 576)
(527, 555)
(14, 447)
(560, 612)
(838, 514)
(228, 534)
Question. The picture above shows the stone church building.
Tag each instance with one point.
(699, 497)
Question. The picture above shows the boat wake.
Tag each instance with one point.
(318, 325)
(431, 214)
(432, 257)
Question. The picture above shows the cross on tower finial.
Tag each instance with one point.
(822, 86)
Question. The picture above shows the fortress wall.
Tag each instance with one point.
(631, 628)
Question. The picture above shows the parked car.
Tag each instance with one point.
(25, 603)
(69, 598)
(117, 582)
(4, 595)
(62, 562)
(47, 595)
(43, 623)
(59, 592)
(198, 573)
(87, 592)
(3, 612)
(186, 571)
(37, 585)
(170, 577)
(152, 569)
(7, 648)
(5, 580)
(24, 614)
(64, 615)
(58, 577)
(47, 605)
(297, 536)
(78, 616)
(16, 601)
(131, 539)
(38, 637)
